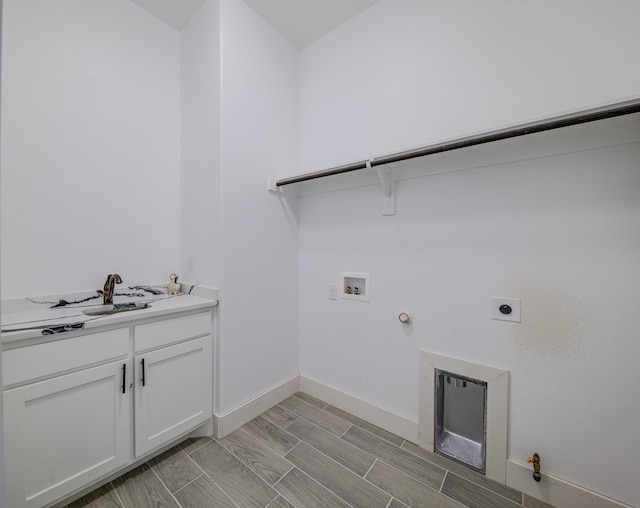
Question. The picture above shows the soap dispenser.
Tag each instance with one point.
(174, 287)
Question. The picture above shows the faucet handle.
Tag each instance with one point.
(112, 280)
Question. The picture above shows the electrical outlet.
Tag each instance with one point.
(190, 263)
(505, 309)
(333, 292)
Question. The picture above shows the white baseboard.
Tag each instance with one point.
(383, 418)
(236, 418)
(555, 491)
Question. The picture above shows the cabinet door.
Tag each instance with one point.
(173, 392)
(63, 433)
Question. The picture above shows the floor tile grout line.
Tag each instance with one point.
(285, 427)
(292, 468)
(446, 472)
(209, 477)
(326, 404)
(163, 484)
(392, 444)
(447, 495)
(115, 491)
(233, 501)
(489, 490)
(372, 433)
(267, 444)
(338, 437)
(468, 479)
(279, 494)
(345, 467)
(391, 466)
(281, 408)
(296, 445)
(433, 463)
(375, 459)
(271, 502)
(274, 499)
(189, 482)
(322, 428)
(245, 465)
(259, 478)
(209, 438)
(194, 461)
(319, 483)
(350, 426)
(369, 454)
(323, 410)
(299, 417)
(361, 427)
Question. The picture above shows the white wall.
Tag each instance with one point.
(91, 146)
(561, 232)
(1, 392)
(408, 73)
(240, 120)
(200, 167)
(93, 94)
(259, 309)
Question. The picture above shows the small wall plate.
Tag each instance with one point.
(505, 309)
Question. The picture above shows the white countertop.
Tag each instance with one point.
(26, 313)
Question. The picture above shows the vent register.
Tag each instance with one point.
(463, 411)
(461, 419)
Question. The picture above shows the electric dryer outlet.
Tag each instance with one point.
(505, 309)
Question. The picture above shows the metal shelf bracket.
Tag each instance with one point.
(388, 188)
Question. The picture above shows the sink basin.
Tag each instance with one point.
(103, 310)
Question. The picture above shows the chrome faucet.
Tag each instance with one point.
(109, 285)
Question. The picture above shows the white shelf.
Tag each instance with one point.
(613, 131)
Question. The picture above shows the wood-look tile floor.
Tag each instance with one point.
(303, 453)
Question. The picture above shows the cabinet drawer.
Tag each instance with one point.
(46, 360)
(168, 331)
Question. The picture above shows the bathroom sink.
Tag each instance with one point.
(104, 310)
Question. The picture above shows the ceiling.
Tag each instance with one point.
(300, 21)
(176, 13)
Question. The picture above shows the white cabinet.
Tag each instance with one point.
(78, 410)
(173, 392)
(64, 433)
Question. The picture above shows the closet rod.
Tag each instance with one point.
(591, 115)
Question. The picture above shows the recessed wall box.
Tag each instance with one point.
(354, 286)
(461, 416)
